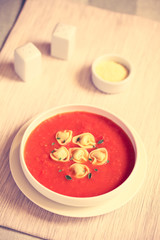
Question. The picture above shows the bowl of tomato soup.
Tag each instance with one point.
(79, 155)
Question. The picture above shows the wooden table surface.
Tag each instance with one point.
(65, 82)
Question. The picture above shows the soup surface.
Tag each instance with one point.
(89, 176)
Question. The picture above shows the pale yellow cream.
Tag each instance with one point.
(111, 71)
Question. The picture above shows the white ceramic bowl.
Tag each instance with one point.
(75, 201)
(108, 86)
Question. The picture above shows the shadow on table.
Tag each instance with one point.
(7, 71)
(44, 47)
(84, 78)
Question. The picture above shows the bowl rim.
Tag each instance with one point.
(69, 200)
(117, 58)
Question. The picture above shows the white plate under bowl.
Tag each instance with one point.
(77, 201)
(69, 211)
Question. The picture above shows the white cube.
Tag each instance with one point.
(27, 61)
(63, 41)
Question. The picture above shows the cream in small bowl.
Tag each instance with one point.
(111, 73)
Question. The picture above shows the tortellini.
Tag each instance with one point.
(60, 155)
(85, 140)
(64, 137)
(79, 155)
(79, 170)
(99, 156)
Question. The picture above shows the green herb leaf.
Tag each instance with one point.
(68, 177)
(93, 146)
(100, 141)
(90, 159)
(107, 161)
(52, 151)
(89, 175)
(78, 139)
(96, 169)
(64, 141)
(60, 159)
(71, 158)
(53, 143)
(60, 170)
(58, 138)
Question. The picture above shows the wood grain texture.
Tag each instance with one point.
(65, 82)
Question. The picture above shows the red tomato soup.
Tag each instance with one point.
(101, 178)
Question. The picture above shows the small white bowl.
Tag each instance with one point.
(108, 86)
(77, 201)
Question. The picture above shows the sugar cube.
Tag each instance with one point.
(27, 61)
(63, 41)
